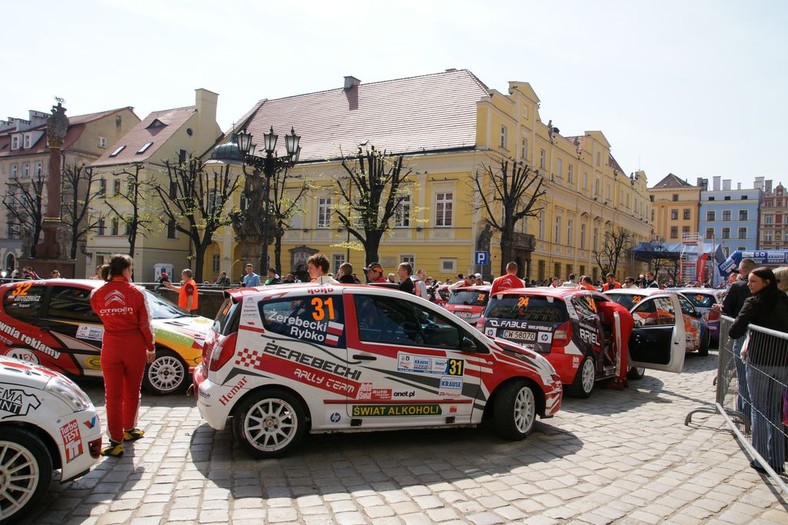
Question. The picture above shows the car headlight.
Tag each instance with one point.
(69, 393)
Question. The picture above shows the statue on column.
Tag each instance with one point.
(483, 241)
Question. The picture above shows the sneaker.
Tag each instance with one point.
(133, 435)
(115, 449)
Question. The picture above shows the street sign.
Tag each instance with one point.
(482, 257)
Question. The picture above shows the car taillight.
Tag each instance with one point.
(562, 335)
(222, 352)
(480, 323)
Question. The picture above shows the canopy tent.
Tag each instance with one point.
(646, 251)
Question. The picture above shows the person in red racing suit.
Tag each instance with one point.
(127, 345)
(621, 331)
(507, 280)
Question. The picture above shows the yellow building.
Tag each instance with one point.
(675, 208)
(448, 126)
(24, 153)
(171, 135)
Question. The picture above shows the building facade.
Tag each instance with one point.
(773, 217)
(729, 217)
(675, 209)
(448, 127)
(24, 156)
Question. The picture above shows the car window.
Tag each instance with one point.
(68, 302)
(23, 301)
(527, 308)
(626, 300)
(654, 312)
(398, 321)
(585, 306)
(700, 300)
(226, 321)
(686, 306)
(162, 309)
(469, 297)
(316, 318)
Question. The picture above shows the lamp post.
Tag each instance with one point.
(268, 165)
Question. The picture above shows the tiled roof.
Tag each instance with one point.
(671, 181)
(156, 128)
(424, 113)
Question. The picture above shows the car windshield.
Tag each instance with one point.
(161, 309)
(527, 308)
(700, 300)
(469, 297)
(626, 300)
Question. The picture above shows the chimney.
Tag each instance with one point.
(703, 184)
(726, 184)
(206, 102)
(716, 183)
(758, 185)
(351, 92)
(738, 185)
(769, 187)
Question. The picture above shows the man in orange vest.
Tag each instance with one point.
(188, 297)
(611, 283)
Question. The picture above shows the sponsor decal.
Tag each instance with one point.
(319, 331)
(589, 336)
(203, 394)
(17, 402)
(395, 410)
(489, 331)
(421, 364)
(92, 422)
(32, 342)
(302, 367)
(233, 391)
(93, 362)
(404, 393)
(335, 417)
(93, 333)
(315, 291)
(575, 361)
(368, 392)
(23, 355)
(72, 440)
(450, 386)
(545, 337)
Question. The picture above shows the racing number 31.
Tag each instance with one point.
(321, 305)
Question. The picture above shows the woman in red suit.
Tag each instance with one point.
(127, 345)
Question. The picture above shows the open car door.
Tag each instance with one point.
(658, 339)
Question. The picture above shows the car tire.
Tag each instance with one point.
(514, 414)
(25, 473)
(585, 378)
(269, 423)
(636, 373)
(167, 374)
(705, 343)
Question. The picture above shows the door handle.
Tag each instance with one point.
(364, 357)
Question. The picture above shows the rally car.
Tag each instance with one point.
(47, 423)
(703, 299)
(468, 302)
(698, 336)
(282, 361)
(564, 326)
(51, 323)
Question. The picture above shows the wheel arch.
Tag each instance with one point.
(266, 388)
(538, 391)
(43, 435)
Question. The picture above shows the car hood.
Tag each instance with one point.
(22, 373)
(182, 332)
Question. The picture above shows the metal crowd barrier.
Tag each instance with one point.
(761, 409)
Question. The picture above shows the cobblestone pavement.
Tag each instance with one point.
(617, 457)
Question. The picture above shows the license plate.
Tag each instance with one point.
(464, 315)
(517, 335)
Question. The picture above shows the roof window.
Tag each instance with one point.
(144, 147)
(117, 151)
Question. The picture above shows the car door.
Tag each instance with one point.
(416, 372)
(658, 339)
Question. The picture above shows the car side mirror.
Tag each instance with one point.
(468, 344)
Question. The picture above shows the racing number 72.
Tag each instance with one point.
(321, 305)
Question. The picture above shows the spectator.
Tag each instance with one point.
(222, 280)
(420, 284)
(650, 281)
(611, 283)
(346, 274)
(507, 280)
(188, 296)
(55, 274)
(555, 282)
(469, 280)
(392, 278)
(404, 271)
(571, 282)
(317, 266)
(587, 283)
(731, 306)
(273, 277)
(781, 274)
(621, 331)
(767, 307)
(250, 279)
(374, 273)
(163, 279)
(629, 282)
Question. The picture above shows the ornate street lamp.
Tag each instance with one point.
(268, 165)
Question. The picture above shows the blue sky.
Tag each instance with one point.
(696, 88)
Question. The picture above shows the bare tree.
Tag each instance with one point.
(24, 202)
(370, 196)
(615, 246)
(132, 214)
(510, 192)
(283, 206)
(194, 201)
(77, 196)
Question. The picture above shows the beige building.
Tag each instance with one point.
(24, 153)
(448, 126)
(171, 135)
(675, 209)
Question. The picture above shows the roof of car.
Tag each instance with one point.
(709, 291)
(475, 287)
(638, 291)
(545, 290)
(379, 289)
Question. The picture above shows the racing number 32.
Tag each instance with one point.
(21, 288)
(321, 305)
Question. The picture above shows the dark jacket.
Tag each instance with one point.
(734, 299)
(768, 309)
